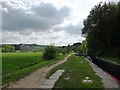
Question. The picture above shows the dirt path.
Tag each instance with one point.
(35, 79)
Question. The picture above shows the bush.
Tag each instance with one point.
(50, 52)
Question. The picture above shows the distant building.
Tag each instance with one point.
(24, 48)
(17, 48)
(21, 48)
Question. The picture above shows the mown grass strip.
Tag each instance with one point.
(76, 69)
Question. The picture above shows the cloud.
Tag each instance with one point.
(113, 0)
(57, 38)
(74, 29)
(70, 28)
(42, 17)
(44, 21)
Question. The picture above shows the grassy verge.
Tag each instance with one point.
(18, 65)
(76, 68)
(112, 58)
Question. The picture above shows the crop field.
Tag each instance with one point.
(17, 65)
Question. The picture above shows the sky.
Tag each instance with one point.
(44, 22)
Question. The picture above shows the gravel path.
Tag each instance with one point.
(108, 82)
(35, 79)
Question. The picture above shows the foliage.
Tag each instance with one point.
(7, 48)
(65, 49)
(50, 52)
(102, 29)
(76, 46)
(84, 47)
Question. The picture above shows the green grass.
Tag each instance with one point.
(16, 61)
(112, 58)
(76, 71)
(17, 65)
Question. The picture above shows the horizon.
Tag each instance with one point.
(35, 44)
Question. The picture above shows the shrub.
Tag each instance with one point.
(50, 52)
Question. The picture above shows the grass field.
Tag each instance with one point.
(76, 72)
(17, 65)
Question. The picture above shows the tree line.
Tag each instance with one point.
(102, 30)
(7, 48)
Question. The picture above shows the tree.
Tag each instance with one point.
(84, 47)
(102, 29)
(76, 47)
(7, 48)
(50, 52)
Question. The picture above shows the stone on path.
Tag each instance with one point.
(51, 81)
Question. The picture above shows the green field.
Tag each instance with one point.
(17, 65)
(76, 71)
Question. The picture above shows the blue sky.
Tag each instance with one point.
(56, 22)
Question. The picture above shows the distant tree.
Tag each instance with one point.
(76, 47)
(7, 48)
(50, 52)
